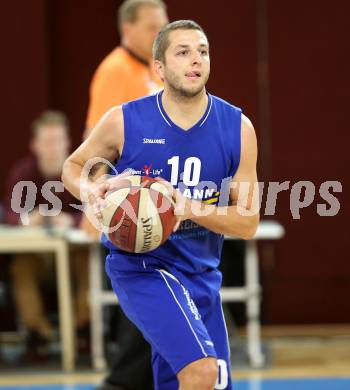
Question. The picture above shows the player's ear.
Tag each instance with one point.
(124, 29)
(159, 69)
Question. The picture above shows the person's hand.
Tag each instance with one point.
(63, 219)
(183, 205)
(35, 218)
(96, 191)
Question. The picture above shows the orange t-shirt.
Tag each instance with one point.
(119, 78)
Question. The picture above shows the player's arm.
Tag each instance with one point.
(242, 217)
(105, 141)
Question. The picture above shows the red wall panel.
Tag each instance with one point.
(23, 76)
(53, 47)
(308, 66)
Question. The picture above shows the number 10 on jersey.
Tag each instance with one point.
(191, 173)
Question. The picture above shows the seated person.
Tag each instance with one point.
(50, 143)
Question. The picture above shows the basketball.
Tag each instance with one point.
(140, 216)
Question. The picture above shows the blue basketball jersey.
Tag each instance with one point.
(200, 162)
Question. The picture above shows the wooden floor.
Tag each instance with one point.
(295, 352)
(304, 351)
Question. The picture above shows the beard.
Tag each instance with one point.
(181, 91)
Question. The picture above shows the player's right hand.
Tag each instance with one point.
(96, 191)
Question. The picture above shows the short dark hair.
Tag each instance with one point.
(50, 118)
(127, 12)
(161, 43)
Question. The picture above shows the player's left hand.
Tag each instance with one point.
(183, 205)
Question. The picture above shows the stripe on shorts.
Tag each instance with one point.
(183, 312)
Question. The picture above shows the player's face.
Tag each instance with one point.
(142, 32)
(51, 144)
(187, 63)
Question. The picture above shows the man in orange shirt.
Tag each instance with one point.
(124, 75)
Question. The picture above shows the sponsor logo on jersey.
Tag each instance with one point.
(207, 195)
(191, 304)
(159, 141)
(147, 169)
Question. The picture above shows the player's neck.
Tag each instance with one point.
(182, 110)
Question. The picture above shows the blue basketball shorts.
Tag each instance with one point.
(179, 314)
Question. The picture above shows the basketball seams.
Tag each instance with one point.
(167, 217)
(149, 224)
(137, 214)
(157, 195)
(149, 202)
(116, 198)
(127, 228)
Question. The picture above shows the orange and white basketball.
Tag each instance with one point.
(139, 217)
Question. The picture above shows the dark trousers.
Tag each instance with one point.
(232, 268)
(131, 367)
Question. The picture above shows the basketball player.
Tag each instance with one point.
(190, 137)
